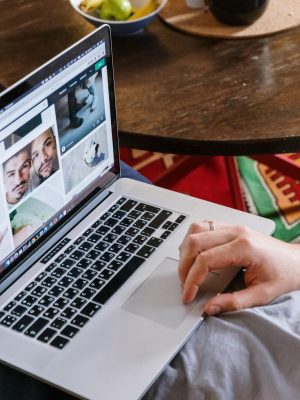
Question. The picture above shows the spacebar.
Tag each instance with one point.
(117, 281)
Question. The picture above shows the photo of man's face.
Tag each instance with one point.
(16, 173)
(43, 154)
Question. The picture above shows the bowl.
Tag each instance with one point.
(121, 28)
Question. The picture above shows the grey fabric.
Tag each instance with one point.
(251, 354)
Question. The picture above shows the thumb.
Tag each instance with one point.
(250, 297)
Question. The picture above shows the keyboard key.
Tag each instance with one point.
(115, 265)
(106, 274)
(93, 254)
(132, 248)
(22, 294)
(146, 251)
(140, 239)
(36, 327)
(94, 238)
(60, 258)
(70, 293)
(78, 303)
(128, 205)
(88, 232)
(89, 274)
(124, 239)
(49, 281)
(118, 230)
(19, 310)
(90, 309)
(58, 272)
(47, 335)
(68, 312)
(56, 291)
(147, 231)
(29, 300)
(65, 281)
(180, 219)
(97, 283)
(80, 283)
(79, 240)
(160, 218)
(8, 320)
(79, 321)
(39, 291)
(110, 237)
(123, 256)
(9, 306)
(50, 267)
(67, 263)
(117, 281)
(126, 221)
(132, 231)
(107, 256)
(60, 303)
(76, 255)
(31, 285)
(155, 242)
(88, 293)
(69, 331)
(173, 227)
(46, 300)
(111, 222)
(36, 310)
(84, 263)
(101, 246)
(86, 246)
(75, 272)
(140, 223)
(51, 312)
(22, 323)
(58, 323)
(40, 277)
(165, 234)
(59, 342)
(102, 230)
(148, 216)
(99, 265)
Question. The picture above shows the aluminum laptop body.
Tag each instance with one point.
(52, 208)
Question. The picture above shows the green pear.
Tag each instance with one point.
(118, 10)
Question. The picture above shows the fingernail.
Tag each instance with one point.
(213, 310)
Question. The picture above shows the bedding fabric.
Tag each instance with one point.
(249, 354)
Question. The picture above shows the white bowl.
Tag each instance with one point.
(121, 28)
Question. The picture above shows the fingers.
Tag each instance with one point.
(233, 253)
(198, 239)
(250, 297)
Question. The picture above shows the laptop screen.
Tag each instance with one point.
(58, 143)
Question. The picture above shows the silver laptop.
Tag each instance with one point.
(90, 300)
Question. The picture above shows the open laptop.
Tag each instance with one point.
(90, 299)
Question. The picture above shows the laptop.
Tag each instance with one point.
(90, 299)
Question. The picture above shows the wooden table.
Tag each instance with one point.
(175, 92)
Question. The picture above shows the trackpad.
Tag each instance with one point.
(159, 297)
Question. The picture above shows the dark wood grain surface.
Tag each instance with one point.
(175, 92)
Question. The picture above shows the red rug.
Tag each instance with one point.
(209, 181)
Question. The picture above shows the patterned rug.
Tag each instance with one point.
(266, 192)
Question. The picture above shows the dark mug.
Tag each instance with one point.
(237, 12)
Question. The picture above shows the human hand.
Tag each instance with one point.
(272, 267)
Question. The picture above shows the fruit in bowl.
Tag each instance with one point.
(125, 17)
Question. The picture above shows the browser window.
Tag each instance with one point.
(55, 142)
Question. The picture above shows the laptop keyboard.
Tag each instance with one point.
(78, 282)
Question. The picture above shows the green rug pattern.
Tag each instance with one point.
(270, 194)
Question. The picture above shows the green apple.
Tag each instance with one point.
(119, 10)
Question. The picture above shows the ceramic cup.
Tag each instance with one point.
(237, 12)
